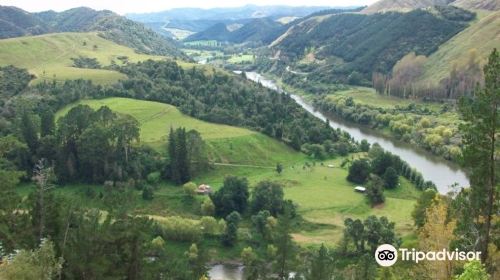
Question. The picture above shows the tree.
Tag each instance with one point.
(375, 190)
(285, 247)
(43, 176)
(359, 171)
(473, 270)
(207, 207)
(269, 196)
(482, 123)
(379, 231)
(381, 162)
(364, 146)
(41, 263)
(321, 265)
(47, 123)
(29, 131)
(196, 262)
(147, 193)
(423, 202)
(172, 154)
(279, 168)
(391, 178)
(262, 225)
(251, 262)
(197, 154)
(436, 234)
(233, 196)
(180, 169)
(230, 236)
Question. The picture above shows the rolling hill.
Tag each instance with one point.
(49, 57)
(15, 22)
(226, 144)
(480, 37)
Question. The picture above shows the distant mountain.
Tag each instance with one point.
(221, 14)
(263, 30)
(15, 22)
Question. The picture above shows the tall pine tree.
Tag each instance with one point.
(481, 127)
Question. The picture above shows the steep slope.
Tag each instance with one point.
(365, 43)
(15, 22)
(492, 5)
(383, 6)
(217, 32)
(49, 57)
(480, 37)
(257, 30)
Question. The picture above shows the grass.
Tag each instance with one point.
(241, 58)
(481, 36)
(324, 196)
(226, 144)
(204, 43)
(48, 57)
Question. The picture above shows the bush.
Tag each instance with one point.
(153, 178)
(147, 193)
(189, 189)
(180, 229)
(207, 207)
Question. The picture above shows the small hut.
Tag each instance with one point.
(204, 189)
(360, 189)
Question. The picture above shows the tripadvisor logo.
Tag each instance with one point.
(387, 255)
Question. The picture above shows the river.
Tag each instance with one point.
(440, 171)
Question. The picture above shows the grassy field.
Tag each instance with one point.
(481, 37)
(369, 97)
(241, 58)
(49, 56)
(205, 43)
(226, 144)
(324, 196)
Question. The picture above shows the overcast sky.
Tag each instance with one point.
(134, 6)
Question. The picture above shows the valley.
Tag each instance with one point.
(200, 142)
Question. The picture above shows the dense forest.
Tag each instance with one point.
(371, 43)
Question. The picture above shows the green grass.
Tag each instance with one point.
(241, 58)
(323, 194)
(326, 198)
(48, 57)
(369, 97)
(226, 144)
(204, 43)
(481, 36)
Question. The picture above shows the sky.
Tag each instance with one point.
(134, 6)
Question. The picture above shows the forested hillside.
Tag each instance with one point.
(263, 30)
(15, 22)
(348, 43)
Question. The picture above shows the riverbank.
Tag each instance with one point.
(433, 168)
